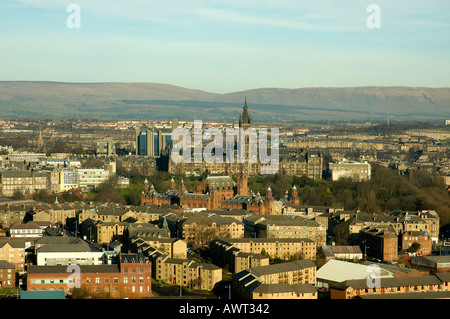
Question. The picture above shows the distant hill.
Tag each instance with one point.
(162, 101)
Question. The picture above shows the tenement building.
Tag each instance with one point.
(223, 250)
(130, 277)
(185, 272)
(25, 182)
(290, 280)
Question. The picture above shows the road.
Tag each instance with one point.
(174, 291)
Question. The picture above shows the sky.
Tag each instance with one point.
(224, 46)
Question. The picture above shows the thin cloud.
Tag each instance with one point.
(251, 19)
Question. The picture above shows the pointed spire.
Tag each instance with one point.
(40, 142)
(245, 118)
(245, 109)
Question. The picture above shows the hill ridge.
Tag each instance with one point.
(160, 100)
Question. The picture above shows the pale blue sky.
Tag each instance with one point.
(226, 45)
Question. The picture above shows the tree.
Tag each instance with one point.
(82, 293)
(341, 233)
(107, 192)
(59, 147)
(42, 195)
(18, 195)
(92, 163)
(203, 235)
(413, 248)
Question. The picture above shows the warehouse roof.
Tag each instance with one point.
(338, 271)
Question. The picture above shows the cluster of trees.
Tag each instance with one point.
(60, 146)
(386, 191)
(64, 197)
(109, 192)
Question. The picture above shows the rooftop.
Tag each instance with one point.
(338, 271)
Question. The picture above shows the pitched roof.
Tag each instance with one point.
(80, 246)
(284, 288)
(281, 267)
(29, 225)
(408, 295)
(133, 258)
(338, 271)
(265, 240)
(390, 282)
(13, 242)
(58, 240)
(6, 265)
(331, 251)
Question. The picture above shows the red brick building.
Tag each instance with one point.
(408, 238)
(131, 277)
(215, 192)
(379, 243)
(7, 275)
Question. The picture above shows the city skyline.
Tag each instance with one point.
(226, 46)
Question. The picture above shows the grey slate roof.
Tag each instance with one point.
(416, 295)
(282, 267)
(50, 240)
(284, 288)
(265, 240)
(6, 265)
(390, 282)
